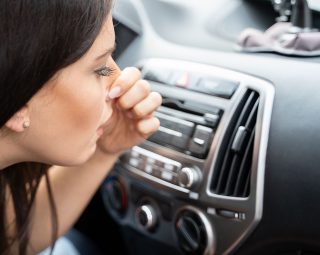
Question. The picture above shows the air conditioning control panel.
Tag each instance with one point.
(152, 165)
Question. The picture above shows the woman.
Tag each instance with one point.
(64, 103)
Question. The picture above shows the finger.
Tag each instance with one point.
(128, 77)
(135, 94)
(148, 105)
(148, 126)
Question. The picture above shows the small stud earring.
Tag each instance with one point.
(26, 124)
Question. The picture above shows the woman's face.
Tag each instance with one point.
(66, 113)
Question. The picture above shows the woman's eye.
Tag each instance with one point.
(105, 71)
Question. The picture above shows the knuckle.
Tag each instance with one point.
(150, 127)
(156, 124)
(129, 75)
(124, 103)
(144, 86)
(122, 79)
(144, 131)
(139, 112)
(157, 98)
(133, 71)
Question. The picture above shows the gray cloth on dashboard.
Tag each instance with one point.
(280, 38)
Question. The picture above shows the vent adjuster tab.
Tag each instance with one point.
(239, 138)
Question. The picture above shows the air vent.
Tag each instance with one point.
(232, 171)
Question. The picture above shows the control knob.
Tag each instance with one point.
(146, 216)
(189, 177)
(194, 232)
(115, 194)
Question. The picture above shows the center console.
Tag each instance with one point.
(196, 185)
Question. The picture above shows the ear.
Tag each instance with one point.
(19, 121)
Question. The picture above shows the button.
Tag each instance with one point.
(165, 175)
(151, 160)
(211, 119)
(134, 162)
(180, 142)
(217, 87)
(135, 154)
(159, 75)
(160, 136)
(203, 108)
(201, 140)
(157, 172)
(194, 195)
(173, 131)
(166, 136)
(158, 163)
(148, 169)
(182, 80)
(228, 214)
(169, 167)
(175, 124)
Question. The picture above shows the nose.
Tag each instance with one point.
(116, 67)
(116, 73)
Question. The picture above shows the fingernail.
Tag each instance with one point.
(114, 92)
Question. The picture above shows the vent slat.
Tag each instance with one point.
(232, 173)
(229, 153)
(244, 168)
(253, 116)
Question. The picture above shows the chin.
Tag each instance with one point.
(80, 159)
(86, 157)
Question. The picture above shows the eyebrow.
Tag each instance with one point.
(107, 52)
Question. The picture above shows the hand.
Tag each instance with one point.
(132, 120)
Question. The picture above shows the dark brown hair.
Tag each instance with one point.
(37, 38)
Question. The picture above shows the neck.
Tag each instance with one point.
(10, 151)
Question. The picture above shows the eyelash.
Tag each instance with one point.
(105, 71)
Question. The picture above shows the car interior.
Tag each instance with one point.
(235, 165)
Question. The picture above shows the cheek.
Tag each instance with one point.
(65, 118)
(81, 109)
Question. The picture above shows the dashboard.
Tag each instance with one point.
(234, 166)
